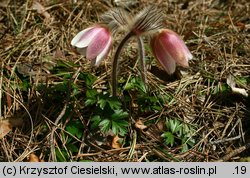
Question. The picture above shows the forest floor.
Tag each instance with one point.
(55, 106)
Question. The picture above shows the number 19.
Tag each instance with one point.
(241, 169)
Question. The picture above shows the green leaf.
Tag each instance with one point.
(90, 101)
(75, 90)
(168, 138)
(119, 127)
(88, 78)
(91, 93)
(25, 85)
(72, 148)
(221, 88)
(61, 155)
(114, 103)
(102, 103)
(75, 127)
(173, 125)
(190, 142)
(242, 80)
(71, 129)
(61, 87)
(184, 148)
(115, 128)
(64, 64)
(136, 83)
(96, 121)
(119, 114)
(157, 108)
(105, 125)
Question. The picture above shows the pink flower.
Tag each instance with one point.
(169, 49)
(94, 42)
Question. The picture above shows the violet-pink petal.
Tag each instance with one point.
(165, 59)
(104, 52)
(98, 44)
(84, 38)
(176, 47)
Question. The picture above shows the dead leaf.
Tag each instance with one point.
(6, 125)
(153, 132)
(59, 54)
(33, 158)
(8, 99)
(231, 82)
(41, 10)
(240, 91)
(5, 128)
(240, 25)
(115, 142)
(140, 125)
(24, 69)
(15, 122)
(161, 125)
(218, 124)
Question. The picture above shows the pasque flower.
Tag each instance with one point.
(94, 42)
(169, 49)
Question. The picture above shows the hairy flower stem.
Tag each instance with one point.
(115, 61)
(142, 58)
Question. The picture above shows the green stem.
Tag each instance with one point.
(142, 59)
(115, 62)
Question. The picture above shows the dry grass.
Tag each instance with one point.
(216, 31)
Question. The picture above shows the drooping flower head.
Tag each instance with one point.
(169, 49)
(94, 42)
